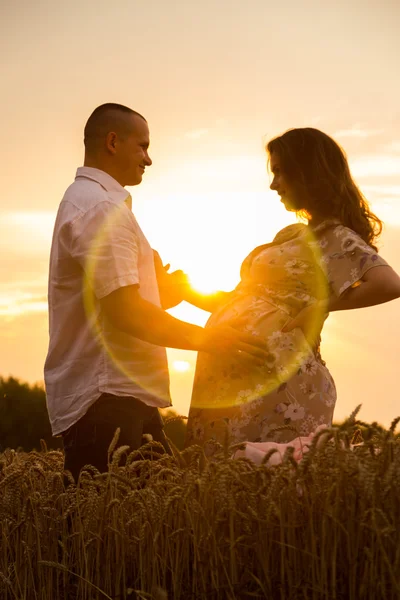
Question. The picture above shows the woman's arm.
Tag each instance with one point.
(378, 285)
(175, 287)
(208, 302)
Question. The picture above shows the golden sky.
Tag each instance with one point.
(214, 79)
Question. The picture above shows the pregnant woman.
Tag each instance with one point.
(286, 290)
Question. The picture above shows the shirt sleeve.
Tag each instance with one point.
(346, 258)
(104, 242)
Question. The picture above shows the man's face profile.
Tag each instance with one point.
(131, 150)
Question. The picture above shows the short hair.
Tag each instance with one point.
(105, 118)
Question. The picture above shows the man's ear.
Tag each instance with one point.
(111, 142)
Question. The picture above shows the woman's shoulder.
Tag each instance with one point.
(284, 235)
(335, 233)
(289, 232)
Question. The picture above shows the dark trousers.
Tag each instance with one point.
(88, 440)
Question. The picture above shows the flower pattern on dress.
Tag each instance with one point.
(235, 425)
(295, 267)
(275, 335)
(244, 396)
(293, 392)
(310, 366)
(294, 412)
(282, 372)
(354, 274)
(198, 430)
(308, 388)
(349, 242)
(308, 425)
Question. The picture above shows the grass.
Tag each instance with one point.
(183, 527)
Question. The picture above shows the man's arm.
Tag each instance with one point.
(129, 312)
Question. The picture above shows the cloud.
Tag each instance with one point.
(393, 146)
(15, 303)
(385, 201)
(382, 190)
(375, 165)
(26, 233)
(194, 134)
(357, 132)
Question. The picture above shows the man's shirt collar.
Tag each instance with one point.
(106, 181)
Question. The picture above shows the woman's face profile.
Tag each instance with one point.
(287, 190)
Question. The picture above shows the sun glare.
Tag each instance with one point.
(182, 366)
(204, 283)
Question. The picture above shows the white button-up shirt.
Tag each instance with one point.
(97, 248)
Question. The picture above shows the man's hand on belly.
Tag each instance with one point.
(223, 339)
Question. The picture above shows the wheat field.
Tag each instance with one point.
(184, 527)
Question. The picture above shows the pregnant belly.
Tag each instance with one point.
(225, 381)
(287, 351)
(259, 316)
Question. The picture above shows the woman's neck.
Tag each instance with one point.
(316, 220)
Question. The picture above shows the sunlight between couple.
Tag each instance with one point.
(259, 374)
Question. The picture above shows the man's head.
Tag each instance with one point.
(116, 141)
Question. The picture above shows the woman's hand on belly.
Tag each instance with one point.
(310, 320)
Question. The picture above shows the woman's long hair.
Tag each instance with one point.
(318, 165)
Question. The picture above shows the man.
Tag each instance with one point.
(106, 365)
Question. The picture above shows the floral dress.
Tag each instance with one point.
(293, 392)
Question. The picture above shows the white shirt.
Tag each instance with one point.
(97, 248)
